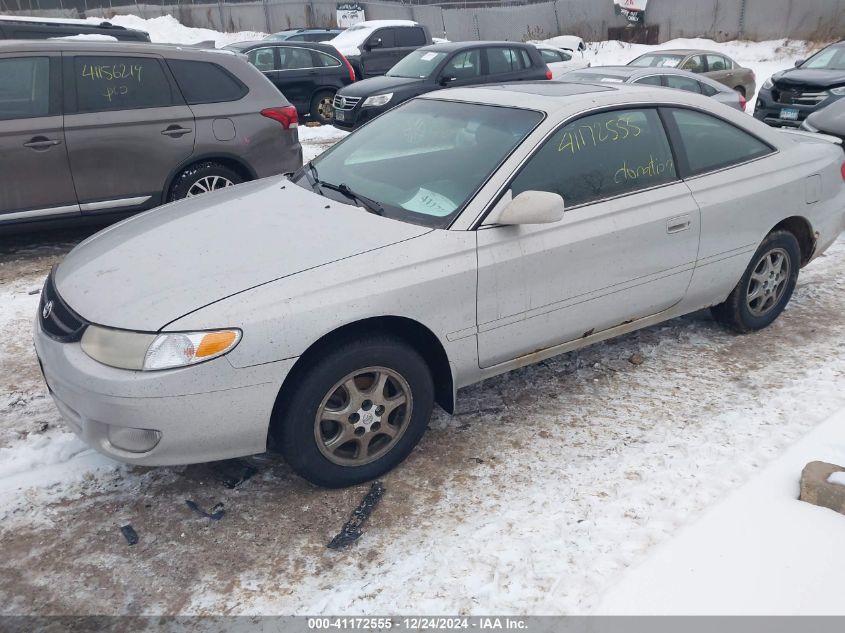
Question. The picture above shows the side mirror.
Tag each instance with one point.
(445, 80)
(798, 63)
(376, 43)
(532, 207)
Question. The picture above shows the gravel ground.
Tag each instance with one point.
(533, 498)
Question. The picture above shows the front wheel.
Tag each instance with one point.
(357, 412)
(322, 107)
(765, 288)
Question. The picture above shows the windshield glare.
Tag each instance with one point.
(658, 60)
(423, 160)
(417, 65)
(832, 58)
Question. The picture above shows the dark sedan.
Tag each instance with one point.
(790, 96)
(307, 73)
(434, 67)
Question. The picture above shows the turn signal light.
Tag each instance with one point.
(286, 116)
(214, 343)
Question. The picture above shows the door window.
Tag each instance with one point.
(120, 83)
(683, 83)
(387, 37)
(717, 62)
(464, 65)
(410, 36)
(549, 56)
(654, 80)
(707, 89)
(25, 89)
(505, 60)
(262, 59)
(694, 64)
(295, 58)
(708, 143)
(600, 156)
(205, 82)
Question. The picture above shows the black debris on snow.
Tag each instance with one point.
(351, 530)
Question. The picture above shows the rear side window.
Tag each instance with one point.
(550, 57)
(708, 143)
(654, 80)
(506, 60)
(601, 156)
(294, 58)
(707, 90)
(206, 82)
(25, 89)
(683, 83)
(325, 60)
(120, 83)
(411, 36)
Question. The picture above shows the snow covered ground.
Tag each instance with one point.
(558, 488)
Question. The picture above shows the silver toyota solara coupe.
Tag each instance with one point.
(325, 314)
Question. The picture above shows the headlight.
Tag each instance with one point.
(768, 84)
(378, 100)
(146, 352)
(838, 91)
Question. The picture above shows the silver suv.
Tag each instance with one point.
(99, 130)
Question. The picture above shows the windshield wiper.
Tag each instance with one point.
(315, 179)
(368, 203)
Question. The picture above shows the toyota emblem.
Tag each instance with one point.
(47, 309)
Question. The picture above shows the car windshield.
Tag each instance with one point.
(422, 161)
(660, 60)
(831, 58)
(417, 65)
(277, 37)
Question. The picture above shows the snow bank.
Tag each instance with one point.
(168, 30)
(758, 552)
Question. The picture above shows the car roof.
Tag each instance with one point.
(251, 44)
(448, 47)
(307, 30)
(635, 72)
(684, 51)
(103, 46)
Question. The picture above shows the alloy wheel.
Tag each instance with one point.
(363, 416)
(768, 282)
(326, 108)
(208, 183)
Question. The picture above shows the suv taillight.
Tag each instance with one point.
(548, 74)
(286, 116)
(349, 68)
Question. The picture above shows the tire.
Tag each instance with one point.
(741, 90)
(771, 275)
(192, 179)
(328, 449)
(322, 110)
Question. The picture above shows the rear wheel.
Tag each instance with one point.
(322, 107)
(356, 412)
(765, 288)
(202, 178)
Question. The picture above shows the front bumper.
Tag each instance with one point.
(769, 111)
(203, 413)
(358, 116)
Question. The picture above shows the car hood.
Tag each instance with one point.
(379, 85)
(815, 77)
(144, 272)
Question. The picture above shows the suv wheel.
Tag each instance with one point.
(356, 412)
(322, 107)
(765, 288)
(202, 178)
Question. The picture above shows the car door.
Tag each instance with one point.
(720, 68)
(127, 129)
(624, 250)
(36, 180)
(379, 52)
(462, 69)
(297, 75)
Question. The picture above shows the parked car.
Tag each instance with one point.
(97, 130)
(434, 67)
(373, 47)
(709, 63)
(402, 264)
(790, 96)
(304, 35)
(561, 61)
(667, 77)
(308, 74)
(27, 28)
(829, 120)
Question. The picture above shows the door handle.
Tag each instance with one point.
(41, 142)
(175, 131)
(679, 224)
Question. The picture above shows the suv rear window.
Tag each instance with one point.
(25, 89)
(120, 83)
(411, 36)
(206, 82)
